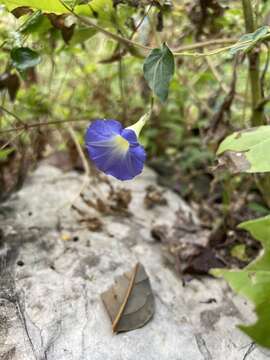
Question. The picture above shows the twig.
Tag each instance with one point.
(216, 74)
(219, 79)
(113, 36)
(251, 348)
(142, 20)
(122, 90)
(79, 150)
(210, 53)
(11, 140)
(86, 167)
(225, 105)
(47, 123)
(131, 43)
(120, 53)
(262, 104)
(12, 114)
(194, 94)
(207, 43)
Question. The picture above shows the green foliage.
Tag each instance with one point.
(254, 281)
(248, 149)
(248, 41)
(103, 9)
(158, 70)
(239, 252)
(4, 153)
(81, 35)
(44, 5)
(24, 58)
(85, 74)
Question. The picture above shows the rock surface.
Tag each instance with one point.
(53, 269)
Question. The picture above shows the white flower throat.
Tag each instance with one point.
(121, 143)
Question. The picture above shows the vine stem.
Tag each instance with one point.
(207, 43)
(177, 52)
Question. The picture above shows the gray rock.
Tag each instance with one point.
(53, 271)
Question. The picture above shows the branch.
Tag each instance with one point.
(33, 125)
(262, 104)
(12, 114)
(203, 44)
(113, 36)
(177, 52)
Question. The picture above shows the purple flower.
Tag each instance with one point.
(115, 150)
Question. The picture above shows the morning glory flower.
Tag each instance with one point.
(115, 150)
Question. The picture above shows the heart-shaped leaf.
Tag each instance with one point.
(247, 150)
(24, 58)
(253, 282)
(158, 69)
(130, 301)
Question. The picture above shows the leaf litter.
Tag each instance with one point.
(130, 301)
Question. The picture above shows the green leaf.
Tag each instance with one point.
(53, 6)
(158, 70)
(98, 8)
(24, 58)
(81, 35)
(239, 252)
(260, 33)
(244, 43)
(4, 153)
(254, 281)
(245, 151)
(35, 23)
(248, 41)
(259, 208)
(32, 22)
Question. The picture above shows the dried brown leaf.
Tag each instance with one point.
(130, 301)
(20, 11)
(202, 261)
(58, 21)
(234, 161)
(120, 199)
(11, 83)
(154, 197)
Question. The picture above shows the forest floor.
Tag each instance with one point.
(59, 251)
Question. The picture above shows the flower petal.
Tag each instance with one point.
(115, 150)
(129, 166)
(102, 130)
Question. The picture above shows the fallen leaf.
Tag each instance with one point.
(120, 199)
(202, 262)
(93, 223)
(130, 301)
(154, 197)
